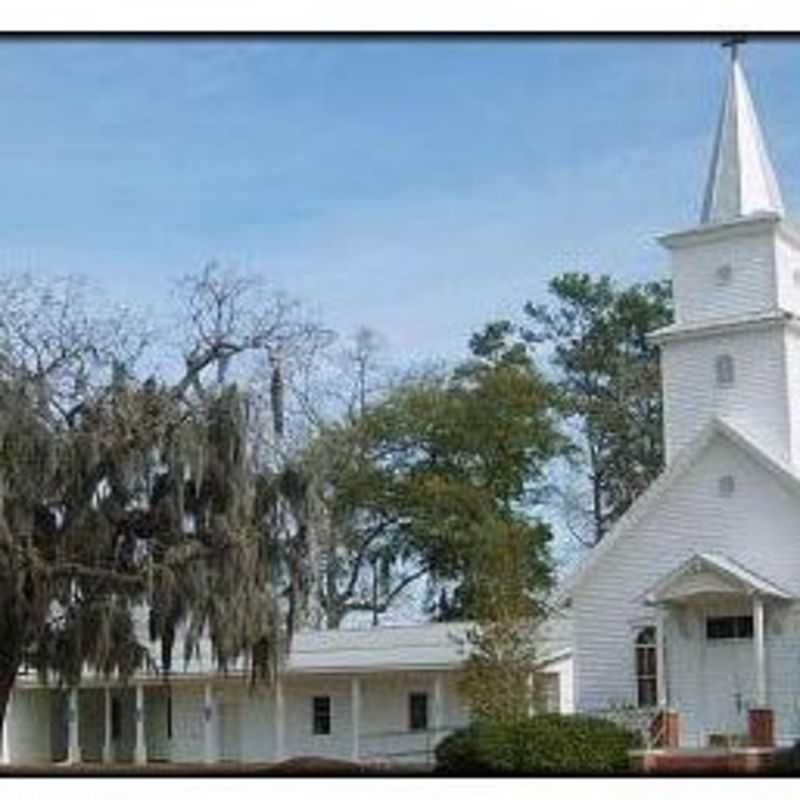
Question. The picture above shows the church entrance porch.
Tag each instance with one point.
(712, 652)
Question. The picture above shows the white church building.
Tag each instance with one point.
(691, 603)
(689, 608)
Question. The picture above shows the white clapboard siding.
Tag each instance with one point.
(792, 343)
(757, 401)
(699, 294)
(787, 273)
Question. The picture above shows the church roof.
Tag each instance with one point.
(784, 473)
(741, 180)
(735, 577)
(735, 322)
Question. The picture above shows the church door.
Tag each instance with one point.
(730, 670)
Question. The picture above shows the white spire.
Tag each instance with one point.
(741, 180)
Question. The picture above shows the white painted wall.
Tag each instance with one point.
(257, 719)
(29, 726)
(245, 717)
(385, 723)
(91, 720)
(155, 723)
(758, 401)
(757, 525)
(792, 347)
(563, 669)
(188, 742)
(787, 262)
(300, 741)
(749, 251)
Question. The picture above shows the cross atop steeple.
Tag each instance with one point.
(733, 43)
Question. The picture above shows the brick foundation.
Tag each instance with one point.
(665, 729)
(747, 761)
(761, 727)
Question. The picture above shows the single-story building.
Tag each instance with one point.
(375, 694)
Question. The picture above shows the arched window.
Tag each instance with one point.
(646, 668)
(724, 369)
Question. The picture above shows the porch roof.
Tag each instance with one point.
(711, 572)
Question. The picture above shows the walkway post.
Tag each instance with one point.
(108, 755)
(661, 661)
(438, 708)
(279, 721)
(758, 644)
(355, 706)
(140, 751)
(208, 730)
(73, 728)
(6, 755)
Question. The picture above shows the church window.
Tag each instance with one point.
(727, 485)
(646, 668)
(729, 628)
(321, 715)
(116, 718)
(724, 274)
(724, 370)
(418, 711)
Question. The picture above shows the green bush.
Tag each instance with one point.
(786, 760)
(543, 744)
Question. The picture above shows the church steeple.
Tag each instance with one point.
(741, 181)
(733, 351)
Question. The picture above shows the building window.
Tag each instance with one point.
(116, 718)
(727, 485)
(321, 714)
(646, 669)
(724, 369)
(418, 711)
(729, 628)
(169, 714)
(724, 274)
(547, 692)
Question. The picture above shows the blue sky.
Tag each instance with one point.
(420, 187)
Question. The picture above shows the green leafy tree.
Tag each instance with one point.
(435, 457)
(608, 377)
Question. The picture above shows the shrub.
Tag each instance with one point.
(786, 761)
(544, 744)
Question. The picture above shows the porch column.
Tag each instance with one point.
(355, 706)
(208, 730)
(279, 721)
(661, 675)
(140, 750)
(108, 755)
(73, 728)
(531, 695)
(758, 644)
(6, 755)
(438, 709)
